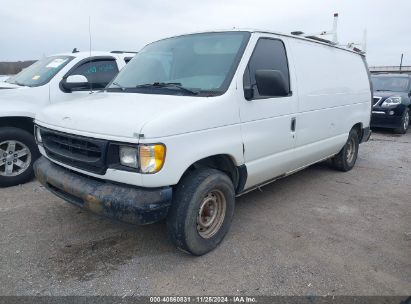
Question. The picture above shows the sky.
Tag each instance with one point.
(31, 29)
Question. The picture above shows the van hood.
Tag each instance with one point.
(118, 116)
(109, 114)
(6, 85)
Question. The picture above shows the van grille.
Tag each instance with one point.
(84, 153)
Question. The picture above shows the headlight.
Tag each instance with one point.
(151, 157)
(128, 156)
(391, 101)
(38, 135)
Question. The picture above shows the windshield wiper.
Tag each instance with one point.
(120, 86)
(167, 85)
(384, 90)
(16, 83)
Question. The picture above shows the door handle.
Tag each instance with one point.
(293, 123)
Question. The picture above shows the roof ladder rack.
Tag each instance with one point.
(313, 36)
(352, 46)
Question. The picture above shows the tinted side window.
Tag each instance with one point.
(269, 54)
(98, 72)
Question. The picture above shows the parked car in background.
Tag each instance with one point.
(391, 102)
(52, 79)
(4, 77)
(194, 121)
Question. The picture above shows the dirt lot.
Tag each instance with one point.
(318, 232)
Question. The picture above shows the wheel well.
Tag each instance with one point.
(25, 123)
(224, 163)
(358, 128)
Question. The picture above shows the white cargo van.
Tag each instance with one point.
(55, 78)
(195, 120)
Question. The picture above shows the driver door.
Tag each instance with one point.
(268, 123)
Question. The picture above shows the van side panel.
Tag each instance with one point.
(333, 96)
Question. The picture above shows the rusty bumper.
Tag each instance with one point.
(122, 202)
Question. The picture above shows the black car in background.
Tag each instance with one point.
(391, 102)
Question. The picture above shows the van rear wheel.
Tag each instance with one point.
(202, 210)
(18, 151)
(346, 158)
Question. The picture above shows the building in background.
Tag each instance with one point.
(390, 69)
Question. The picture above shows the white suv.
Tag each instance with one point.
(195, 120)
(56, 78)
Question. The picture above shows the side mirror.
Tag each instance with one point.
(271, 83)
(248, 93)
(75, 82)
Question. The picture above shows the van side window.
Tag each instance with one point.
(98, 72)
(269, 54)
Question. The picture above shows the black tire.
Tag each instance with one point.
(405, 122)
(24, 137)
(183, 219)
(346, 158)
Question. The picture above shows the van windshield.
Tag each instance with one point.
(390, 83)
(203, 64)
(40, 72)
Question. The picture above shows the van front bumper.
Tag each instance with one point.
(122, 202)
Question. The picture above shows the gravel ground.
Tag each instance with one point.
(318, 232)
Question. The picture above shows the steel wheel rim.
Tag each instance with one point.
(406, 120)
(211, 214)
(15, 158)
(350, 150)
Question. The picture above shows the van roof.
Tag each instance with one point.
(276, 33)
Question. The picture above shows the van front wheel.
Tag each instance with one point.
(202, 210)
(346, 158)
